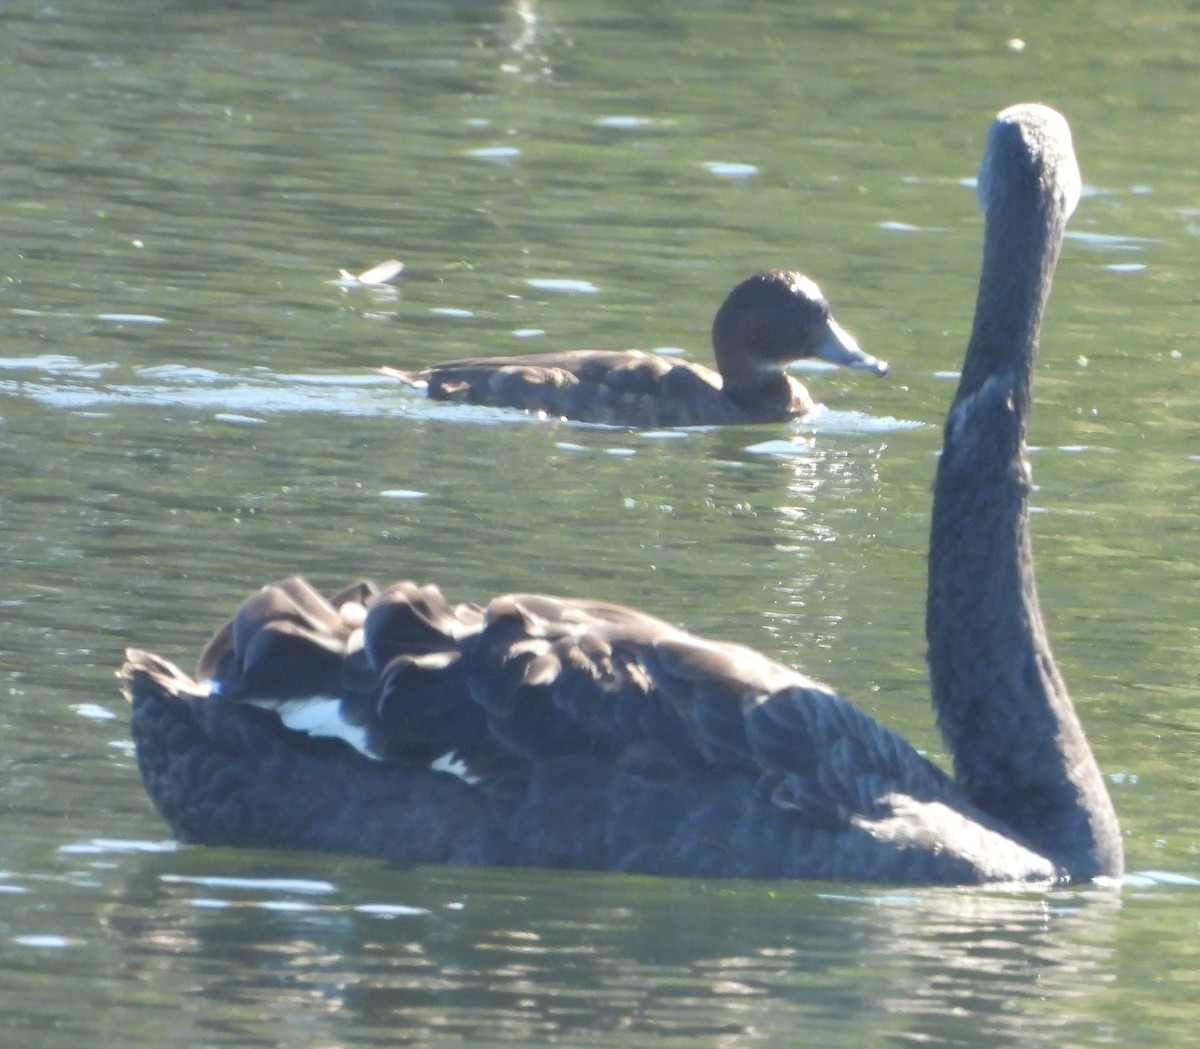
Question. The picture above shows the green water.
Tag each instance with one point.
(188, 410)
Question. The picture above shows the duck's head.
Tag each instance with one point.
(779, 316)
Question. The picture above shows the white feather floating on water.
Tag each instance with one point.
(376, 275)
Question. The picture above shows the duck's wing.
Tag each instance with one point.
(619, 387)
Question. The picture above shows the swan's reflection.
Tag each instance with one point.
(536, 955)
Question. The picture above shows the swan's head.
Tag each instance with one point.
(1029, 151)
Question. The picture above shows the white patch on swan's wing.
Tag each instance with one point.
(807, 287)
(320, 716)
(450, 762)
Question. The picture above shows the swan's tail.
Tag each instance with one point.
(232, 774)
(200, 759)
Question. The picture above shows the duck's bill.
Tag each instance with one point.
(838, 347)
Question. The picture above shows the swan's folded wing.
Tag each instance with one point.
(332, 667)
(285, 641)
(480, 692)
(828, 760)
(411, 689)
(558, 677)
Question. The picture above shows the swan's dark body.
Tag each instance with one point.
(552, 732)
(767, 321)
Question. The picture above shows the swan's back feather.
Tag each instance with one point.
(579, 733)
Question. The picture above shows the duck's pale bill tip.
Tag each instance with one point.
(838, 346)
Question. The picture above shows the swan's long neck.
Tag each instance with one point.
(1002, 706)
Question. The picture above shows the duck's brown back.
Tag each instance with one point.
(617, 387)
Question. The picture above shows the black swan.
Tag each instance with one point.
(576, 733)
(767, 321)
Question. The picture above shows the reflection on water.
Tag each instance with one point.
(189, 407)
(60, 381)
(476, 956)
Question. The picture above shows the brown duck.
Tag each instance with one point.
(769, 320)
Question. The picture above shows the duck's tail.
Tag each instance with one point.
(417, 379)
